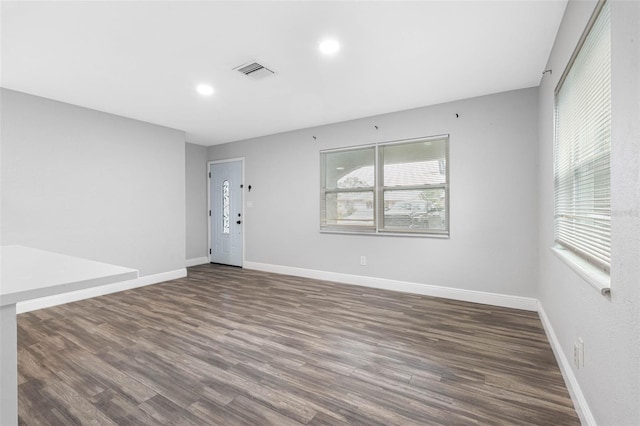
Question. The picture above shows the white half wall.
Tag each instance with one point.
(60, 299)
(493, 185)
(94, 185)
(607, 388)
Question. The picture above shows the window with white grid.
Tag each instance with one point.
(393, 187)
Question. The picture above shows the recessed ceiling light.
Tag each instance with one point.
(329, 46)
(205, 89)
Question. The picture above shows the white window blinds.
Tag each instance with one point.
(583, 146)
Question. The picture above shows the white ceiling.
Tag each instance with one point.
(143, 59)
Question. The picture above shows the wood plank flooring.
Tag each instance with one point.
(227, 346)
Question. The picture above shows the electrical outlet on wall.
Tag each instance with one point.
(363, 260)
(578, 353)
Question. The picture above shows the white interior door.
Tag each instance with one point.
(225, 202)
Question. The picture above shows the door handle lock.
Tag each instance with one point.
(238, 222)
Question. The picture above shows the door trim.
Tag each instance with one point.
(244, 217)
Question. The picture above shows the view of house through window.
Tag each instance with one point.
(391, 187)
(349, 188)
(414, 185)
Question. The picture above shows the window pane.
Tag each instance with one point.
(349, 169)
(225, 207)
(393, 187)
(416, 163)
(349, 208)
(418, 210)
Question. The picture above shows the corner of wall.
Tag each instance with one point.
(578, 398)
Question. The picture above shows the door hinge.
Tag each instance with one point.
(209, 212)
(209, 251)
(209, 175)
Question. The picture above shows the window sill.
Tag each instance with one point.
(387, 233)
(596, 278)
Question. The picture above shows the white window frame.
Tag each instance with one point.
(581, 241)
(324, 191)
(378, 189)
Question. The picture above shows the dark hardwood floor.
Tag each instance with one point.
(228, 346)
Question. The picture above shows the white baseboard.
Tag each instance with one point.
(495, 299)
(47, 302)
(195, 262)
(570, 380)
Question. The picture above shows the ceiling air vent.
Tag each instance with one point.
(254, 70)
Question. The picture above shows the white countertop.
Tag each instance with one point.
(29, 273)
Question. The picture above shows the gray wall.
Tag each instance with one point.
(610, 379)
(196, 194)
(90, 184)
(493, 158)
